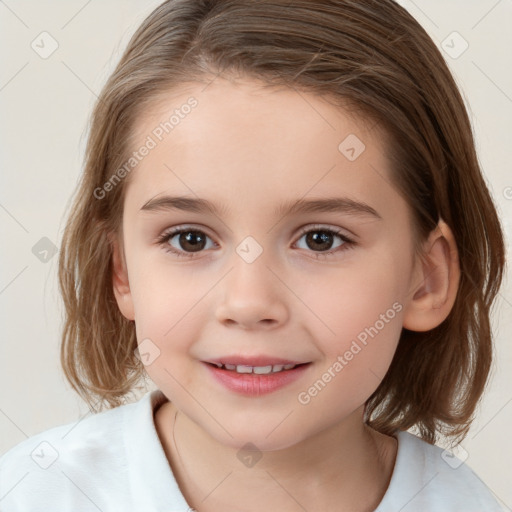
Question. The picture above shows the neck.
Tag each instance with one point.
(345, 467)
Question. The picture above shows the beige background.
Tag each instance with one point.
(45, 105)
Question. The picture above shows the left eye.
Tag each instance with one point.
(190, 240)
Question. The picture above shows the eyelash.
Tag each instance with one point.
(166, 237)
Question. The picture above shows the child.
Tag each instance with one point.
(282, 220)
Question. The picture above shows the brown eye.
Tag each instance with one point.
(321, 240)
(191, 240)
(184, 242)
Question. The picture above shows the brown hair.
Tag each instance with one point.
(371, 55)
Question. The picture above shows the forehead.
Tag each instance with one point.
(242, 140)
(230, 104)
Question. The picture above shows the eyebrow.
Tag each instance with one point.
(324, 205)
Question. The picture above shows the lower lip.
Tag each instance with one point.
(251, 384)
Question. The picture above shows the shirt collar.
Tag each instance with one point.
(153, 485)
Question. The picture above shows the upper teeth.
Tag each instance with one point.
(256, 369)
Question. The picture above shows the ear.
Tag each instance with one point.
(120, 280)
(435, 282)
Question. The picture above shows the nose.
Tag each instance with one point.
(252, 297)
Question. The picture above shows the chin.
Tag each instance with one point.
(264, 435)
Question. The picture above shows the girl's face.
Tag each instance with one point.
(258, 282)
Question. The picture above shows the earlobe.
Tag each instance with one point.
(436, 282)
(120, 281)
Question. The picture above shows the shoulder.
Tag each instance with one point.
(71, 463)
(426, 478)
(65, 442)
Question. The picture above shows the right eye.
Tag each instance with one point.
(191, 241)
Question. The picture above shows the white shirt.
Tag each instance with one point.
(114, 461)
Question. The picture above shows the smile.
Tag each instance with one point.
(255, 381)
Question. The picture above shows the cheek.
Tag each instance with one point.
(167, 327)
(171, 308)
(361, 309)
(350, 300)
(165, 295)
(172, 304)
(357, 357)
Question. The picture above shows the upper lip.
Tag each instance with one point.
(253, 361)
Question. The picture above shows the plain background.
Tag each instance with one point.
(45, 104)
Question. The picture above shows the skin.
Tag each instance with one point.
(250, 149)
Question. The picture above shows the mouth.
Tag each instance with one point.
(257, 375)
